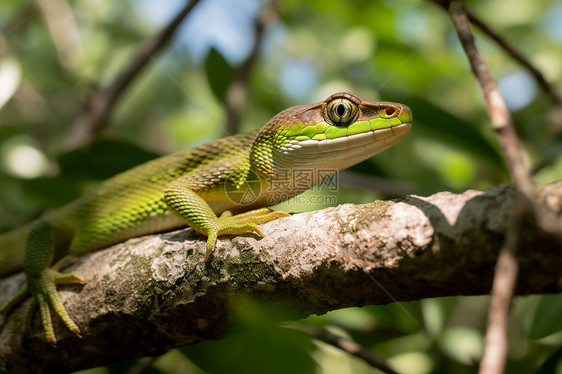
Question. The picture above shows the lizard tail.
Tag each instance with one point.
(12, 250)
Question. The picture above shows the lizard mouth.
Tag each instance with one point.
(374, 140)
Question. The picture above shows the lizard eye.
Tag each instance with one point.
(341, 111)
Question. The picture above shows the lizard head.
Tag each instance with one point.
(336, 133)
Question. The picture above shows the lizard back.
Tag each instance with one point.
(132, 203)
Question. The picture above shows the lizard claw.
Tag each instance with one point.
(46, 297)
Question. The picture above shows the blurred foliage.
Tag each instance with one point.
(396, 50)
(259, 345)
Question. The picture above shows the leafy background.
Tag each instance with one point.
(394, 50)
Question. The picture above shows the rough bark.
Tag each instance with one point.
(153, 293)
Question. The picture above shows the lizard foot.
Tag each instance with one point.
(227, 224)
(44, 295)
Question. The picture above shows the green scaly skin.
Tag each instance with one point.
(200, 187)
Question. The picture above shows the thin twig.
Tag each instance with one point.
(100, 104)
(510, 143)
(518, 56)
(497, 109)
(344, 344)
(503, 287)
(237, 92)
(503, 125)
(495, 352)
(512, 51)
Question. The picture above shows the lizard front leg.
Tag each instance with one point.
(197, 213)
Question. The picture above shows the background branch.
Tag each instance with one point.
(525, 210)
(237, 92)
(510, 50)
(495, 349)
(345, 345)
(150, 294)
(100, 103)
(64, 32)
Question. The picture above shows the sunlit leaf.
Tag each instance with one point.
(10, 76)
(83, 167)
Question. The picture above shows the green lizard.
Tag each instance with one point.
(198, 187)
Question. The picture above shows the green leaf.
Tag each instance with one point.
(219, 74)
(547, 319)
(51, 193)
(103, 159)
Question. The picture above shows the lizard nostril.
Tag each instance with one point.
(390, 111)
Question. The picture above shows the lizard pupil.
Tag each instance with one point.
(340, 110)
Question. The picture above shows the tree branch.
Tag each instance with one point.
(100, 104)
(150, 294)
